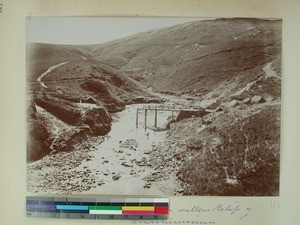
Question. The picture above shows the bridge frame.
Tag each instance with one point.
(145, 109)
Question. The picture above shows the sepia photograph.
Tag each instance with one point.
(153, 106)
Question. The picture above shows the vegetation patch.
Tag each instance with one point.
(238, 158)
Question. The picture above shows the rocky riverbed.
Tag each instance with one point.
(58, 173)
(124, 161)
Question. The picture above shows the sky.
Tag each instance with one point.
(91, 30)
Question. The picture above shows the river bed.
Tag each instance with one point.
(117, 164)
(121, 160)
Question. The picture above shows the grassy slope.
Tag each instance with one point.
(71, 76)
(236, 154)
(41, 56)
(180, 58)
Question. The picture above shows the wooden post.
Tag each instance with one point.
(145, 118)
(137, 118)
(155, 119)
(172, 114)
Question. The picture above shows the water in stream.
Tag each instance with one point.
(116, 158)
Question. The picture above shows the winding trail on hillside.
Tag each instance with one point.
(50, 69)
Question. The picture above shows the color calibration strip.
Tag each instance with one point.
(98, 208)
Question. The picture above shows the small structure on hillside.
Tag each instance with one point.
(89, 100)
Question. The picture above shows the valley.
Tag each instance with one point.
(222, 76)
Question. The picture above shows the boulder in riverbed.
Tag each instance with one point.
(257, 99)
(233, 103)
(247, 101)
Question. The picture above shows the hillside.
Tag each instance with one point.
(71, 95)
(179, 58)
(232, 66)
(225, 73)
(41, 56)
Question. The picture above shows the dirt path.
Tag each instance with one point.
(50, 69)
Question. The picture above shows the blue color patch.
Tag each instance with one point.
(72, 207)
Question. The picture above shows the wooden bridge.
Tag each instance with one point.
(156, 109)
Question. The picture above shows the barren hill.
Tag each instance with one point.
(194, 57)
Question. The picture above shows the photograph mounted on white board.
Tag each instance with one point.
(153, 106)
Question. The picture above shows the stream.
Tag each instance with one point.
(119, 165)
(119, 161)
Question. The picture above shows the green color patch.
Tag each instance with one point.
(105, 208)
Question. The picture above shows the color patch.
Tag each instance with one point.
(98, 208)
